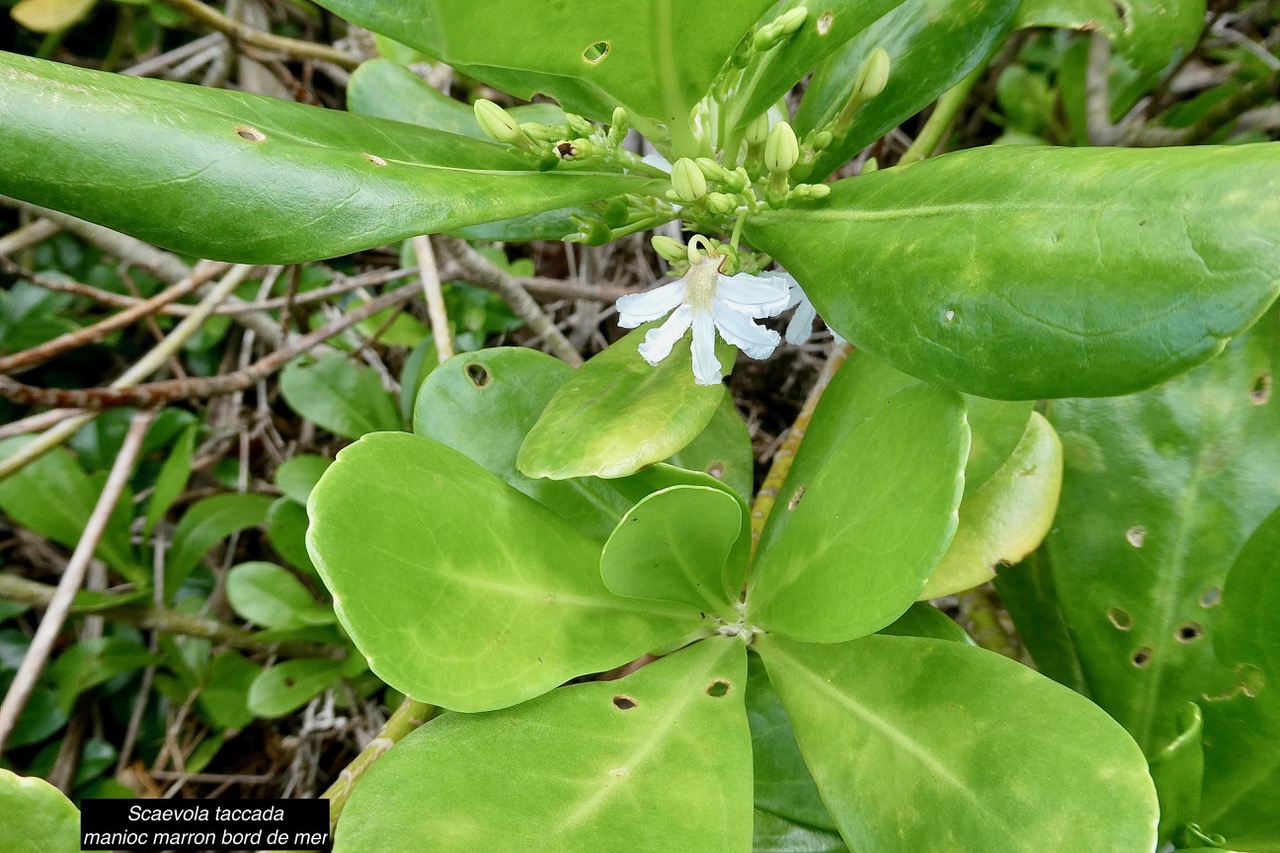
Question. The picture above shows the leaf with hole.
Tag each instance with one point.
(932, 45)
(659, 760)
(278, 182)
(851, 560)
(346, 398)
(617, 413)
(938, 720)
(402, 526)
(272, 597)
(1161, 489)
(674, 546)
(1023, 273)
(38, 817)
(658, 60)
(1007, 518)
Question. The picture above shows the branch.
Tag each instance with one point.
(73, 575)
(155, 618)
(430, 278)
(237, 31)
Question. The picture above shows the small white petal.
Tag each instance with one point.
(706, 367)
(658, 342)
(635, 309)
(752, 295)
(800, 328)
(741, 331)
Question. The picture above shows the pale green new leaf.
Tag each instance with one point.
(461, 591)
(864, 536)
(657, 761)
(276, 181)
(922, 745)
(272, 597)
(38, 818)
(345, 398)
(1024, 273)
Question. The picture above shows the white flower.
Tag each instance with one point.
(800, 327)
(707, 301)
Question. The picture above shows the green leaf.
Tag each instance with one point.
(38, 818)
(386, 89)
(298, 475)
(225, 695)
(270, 596)
(1242, 723)
(774, 834)
(850, 561)
(1101, 16)
(286, 687)
(722, 450)
(41, 717)
(1178, 773)
(618, 413)
(828, 27)
(925, 620)
(287, 532)
(1006, 519)
(996, 427)
(932, 45)
(1161, 490)
(1149, 33)
(657, 60)
(341, 396)
(1030, 596)
(204, 525)
(278, 182)
(959, 748)
(659, 760)
(172, 478)
(402, 526)
(54, 498)
(1112, 270)
(674, 546)
(91, 662)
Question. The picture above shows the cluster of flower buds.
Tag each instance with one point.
(779, 29)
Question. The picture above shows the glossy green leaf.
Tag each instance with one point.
(345, 398)
(272, 597)
(657, 60)
(1102, 16)
(38, 818)
(784, 787)
(172, 478)
(298, 475)
(286, 687)
(722, 450)
(1007, 518)
(1242, 722)
(91, 662)
(483, 404)
(925, 620)
(1178, 772)
(659, 760)
(42, 716)
(205, 524)
(54, 497)
(224, 698)
(996, 427)
(1111, 270)
(287, 532)
(1149, 33)
(774, 834)
(828, 26)
(402, 527)
(1029, 594)
(618, 413)
(867, 532)
(958, 748)
(1161, 490)
(932, 45)
(278, 182)
(673, 546)
(389, 90)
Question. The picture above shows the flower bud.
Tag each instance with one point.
(790, 22)
(541, 132)
(782, 149)
(671, 250)
(687, 180)
(579, 125)
(873, 76)
(721, 203)
(620, 123)
(711, 170)
(573, 149)
(822, 140)
(758, 131)
(498, 124)
(814, 191)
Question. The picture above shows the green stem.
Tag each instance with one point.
(939, 123)
(737, 230)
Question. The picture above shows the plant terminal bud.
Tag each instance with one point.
(873, 76)
(782, 149)
(721, 203)
(790, 22)
(687, 180)
(579, 125)
(822, 140)
(498, 124)
(711, 170)
(540, 132)
(669, 249)
(758, 131)
(620, 122)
